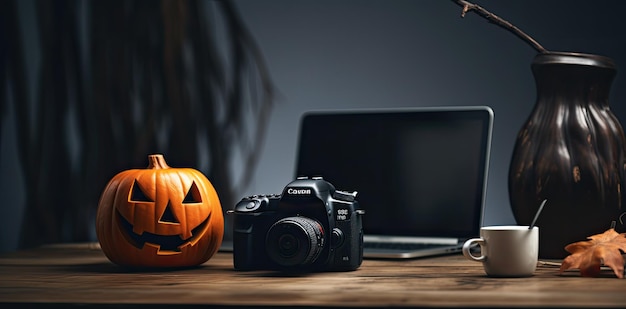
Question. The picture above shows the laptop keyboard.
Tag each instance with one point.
(401, 246)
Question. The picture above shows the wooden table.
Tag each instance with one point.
(80, 274)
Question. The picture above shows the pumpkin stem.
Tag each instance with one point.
(157, 161)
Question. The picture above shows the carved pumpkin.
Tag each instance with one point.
(159, 217)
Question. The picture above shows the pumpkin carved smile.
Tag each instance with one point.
(168, 244)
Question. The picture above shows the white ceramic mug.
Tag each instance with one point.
(506, 251)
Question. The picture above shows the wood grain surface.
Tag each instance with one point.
(81, 274)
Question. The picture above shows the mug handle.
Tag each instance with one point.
(468, 244)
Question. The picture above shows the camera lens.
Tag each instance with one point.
(288, 245)
(295, 241)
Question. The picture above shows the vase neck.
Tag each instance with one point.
(574, 77)
(568, 81)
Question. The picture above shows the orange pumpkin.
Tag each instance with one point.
(159, 217)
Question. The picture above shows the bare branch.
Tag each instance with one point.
(492, 18)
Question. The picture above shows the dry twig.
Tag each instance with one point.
(492, 18)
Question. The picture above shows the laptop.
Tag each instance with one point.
(420, 173)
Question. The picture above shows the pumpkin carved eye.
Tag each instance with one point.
(137, 194)
(193, 195)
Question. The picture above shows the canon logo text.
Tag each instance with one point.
(299, 191)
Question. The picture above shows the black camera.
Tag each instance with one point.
(309, 227)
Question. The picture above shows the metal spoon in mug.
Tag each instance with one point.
(532, 224)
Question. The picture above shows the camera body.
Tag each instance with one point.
(309, 227)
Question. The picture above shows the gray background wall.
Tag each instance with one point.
(397, 53)
(375, 53)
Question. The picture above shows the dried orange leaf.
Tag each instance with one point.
(599, 250)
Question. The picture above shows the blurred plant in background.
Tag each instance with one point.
(118, 80)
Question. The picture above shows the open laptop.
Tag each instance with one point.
(420, 173)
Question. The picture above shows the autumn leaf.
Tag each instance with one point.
(598, 250)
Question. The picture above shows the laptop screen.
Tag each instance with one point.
(418, 171)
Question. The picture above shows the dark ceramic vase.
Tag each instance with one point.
(570, 151)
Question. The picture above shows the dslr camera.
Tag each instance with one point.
(309, 227)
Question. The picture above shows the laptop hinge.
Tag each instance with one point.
(416, 240)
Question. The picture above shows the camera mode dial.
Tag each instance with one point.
(344, 195)
(255, 202)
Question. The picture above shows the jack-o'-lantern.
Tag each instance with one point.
(159, 217)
